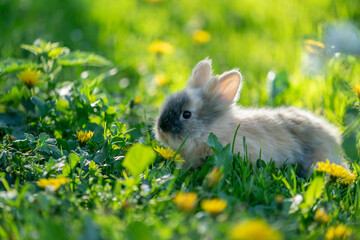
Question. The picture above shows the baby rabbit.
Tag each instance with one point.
(207, 105)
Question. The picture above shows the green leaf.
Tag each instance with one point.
(118, 128)
(138, 230)
(72, 144)
(101, 155)
(130, 182)
(3, 157)
(47, 146)
(28, 104)
(12, 97)
(40, 46)
(214, 143)
(56, 52)
(66, 170)
(12, 65)
(92, 166)
(225, 159)
(50, 164)
(44, 108)
(138, 158)
(51, 150)
(43, 137)
(82, 58)
(74, 160)
(313, 193)
(33, 49)
(10, 119)
(350, 135)
(30, 137)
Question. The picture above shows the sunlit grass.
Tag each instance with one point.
(113, 180)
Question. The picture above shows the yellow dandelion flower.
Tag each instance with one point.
(356, 90)
(338, 232)
(213, 177)
(213, 206)
(349, 179)
(186, 201)
(254, 230)
(29, 77)
(84, 136)
(314, 43)
(313, 46)
(137, 100)
(168, 154)
(201, 37)
(321, 216)
(161, 47)
(333, 169)
(161, 79)
(53, 183)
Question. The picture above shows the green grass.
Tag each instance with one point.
(103, 81)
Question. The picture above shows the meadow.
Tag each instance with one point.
(81, 83)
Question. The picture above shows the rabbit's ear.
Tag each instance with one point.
(201, 74)
(229, 85)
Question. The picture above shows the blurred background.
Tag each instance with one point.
(302, 53)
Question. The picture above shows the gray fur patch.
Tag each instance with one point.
(306, 143)
(169, 120)
(212, 109)
(306, 146)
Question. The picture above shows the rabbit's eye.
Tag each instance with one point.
(186, 114)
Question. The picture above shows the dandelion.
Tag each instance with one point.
(253, 230)
(52, 183)
(161, 47)
(201, 37)
(349, 179)
(161, 79)
(356, 90)
(333, 169)
(213, 206)
(338, 232)
(313, 46)
(321, 216)
(168, 153)
(84, 136)
(213, 177)
(29, 77)
(137, 100)
(186, 201)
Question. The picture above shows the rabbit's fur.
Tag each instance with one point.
(284, 134)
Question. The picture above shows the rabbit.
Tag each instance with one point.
(208, 105)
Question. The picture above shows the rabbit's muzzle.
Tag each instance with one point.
(168, 123)
(169, 120)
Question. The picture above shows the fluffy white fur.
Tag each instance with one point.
(285, 134)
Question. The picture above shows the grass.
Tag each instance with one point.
(102, 78)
